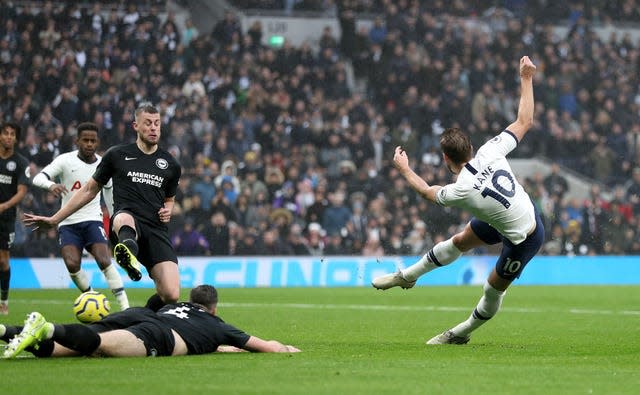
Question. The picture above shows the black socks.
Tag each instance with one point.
(127, 236)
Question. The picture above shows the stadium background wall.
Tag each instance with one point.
(338, 271)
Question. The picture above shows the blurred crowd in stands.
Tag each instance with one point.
(281, 157)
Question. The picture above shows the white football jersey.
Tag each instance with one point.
(488, 189)
(73, 173)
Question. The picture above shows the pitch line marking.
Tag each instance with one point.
(379, 307)
(425, 308)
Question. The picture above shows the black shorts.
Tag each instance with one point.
(154, 245)
(7, 234)
(513, 258)
(144, 324)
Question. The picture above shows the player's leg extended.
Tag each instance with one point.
(493, 292)
(71, 255)
(100, 252)
(123, 226)
(167, 280)
(509, 266)
(5, 279)
(121, 343)
(71, 339)
(442, 254)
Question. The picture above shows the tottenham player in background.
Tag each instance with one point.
(84, 228)
(145, 179)
(14, 178)
(486, 187)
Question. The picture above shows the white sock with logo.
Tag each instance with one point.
(487, 307)
(440, 255)
(117, 287)
(81, 280)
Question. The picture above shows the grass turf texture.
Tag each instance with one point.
(545, 340)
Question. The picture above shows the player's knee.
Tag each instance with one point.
(170, 295)
(123, 218)
(72, 264)
(103, 262)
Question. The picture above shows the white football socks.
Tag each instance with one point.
(487, 307)
(81, 280)
(441, 254)
(117, 287)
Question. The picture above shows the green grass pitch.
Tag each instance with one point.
(545, 340)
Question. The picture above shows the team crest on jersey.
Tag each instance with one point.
(11, 165)
(496, 139)
(162, 163)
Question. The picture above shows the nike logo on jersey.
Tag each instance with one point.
(128, 158)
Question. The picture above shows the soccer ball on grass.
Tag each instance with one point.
(91, 306)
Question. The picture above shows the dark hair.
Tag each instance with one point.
(205, 295)
(87, 126)
(456, 145)
(13, 126)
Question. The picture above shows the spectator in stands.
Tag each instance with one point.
(189, 241)
(108, 85)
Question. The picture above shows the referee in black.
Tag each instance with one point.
(14, 178)
(145, 179)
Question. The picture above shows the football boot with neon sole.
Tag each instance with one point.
(127, 261)
(34, 331)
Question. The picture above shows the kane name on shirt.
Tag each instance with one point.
(141, 182)
(14, 171)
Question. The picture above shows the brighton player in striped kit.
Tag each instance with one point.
(486, 187)
(84, 228)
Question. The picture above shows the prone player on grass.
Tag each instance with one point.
(185, 328)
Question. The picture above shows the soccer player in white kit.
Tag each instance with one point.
(84, 228)
(503, 211)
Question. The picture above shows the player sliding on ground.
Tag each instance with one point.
(177, 329)
(486, 187)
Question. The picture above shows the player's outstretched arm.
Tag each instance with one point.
(401, 162)
(526, 107)
(79, 199)
(255, 344)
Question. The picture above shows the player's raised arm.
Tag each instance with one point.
(525, 109)
(401, 162)
(78, 200)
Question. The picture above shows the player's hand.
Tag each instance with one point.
(292, 348)
(58, 190)
(164, 214)
(527, 68)
(38, 222)
(400, 159)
